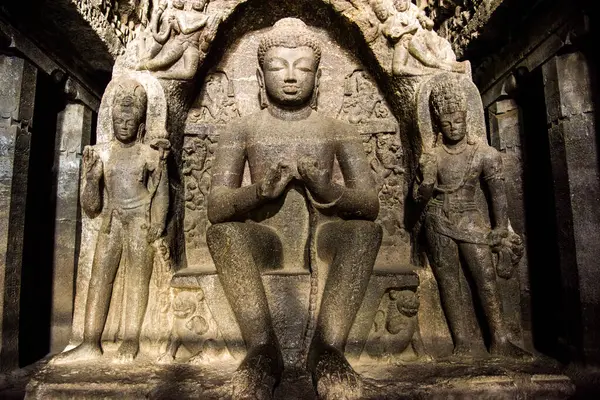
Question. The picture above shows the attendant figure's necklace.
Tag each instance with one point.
(456, 150)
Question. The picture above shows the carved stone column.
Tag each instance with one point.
(73, 132)
(505, 129)
(17, 94)
(576, 176)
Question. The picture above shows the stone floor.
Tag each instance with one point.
(490, 379)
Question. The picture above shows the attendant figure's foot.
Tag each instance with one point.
(165, 358)
(258, 374)
(506, 349)
(333, 376)
(84, 352)
(127, 351)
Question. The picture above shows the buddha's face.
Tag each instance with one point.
(454, 126)
(126, 123)
(401, 5)
(178, 4)
(290, 75)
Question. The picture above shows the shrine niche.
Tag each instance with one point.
(307, 218)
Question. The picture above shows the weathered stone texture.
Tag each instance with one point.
(17, 92)
(74, 127)
(574, 156)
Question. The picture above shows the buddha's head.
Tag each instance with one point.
(289, 56)
(401, 5)
(129, 111)
(448, 103)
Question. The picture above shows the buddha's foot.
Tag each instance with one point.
(127, 351)
(467, 352)
(333, 377)
(258, 374)
(83, 352)
(508, 350)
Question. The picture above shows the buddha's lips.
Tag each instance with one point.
(290, 89)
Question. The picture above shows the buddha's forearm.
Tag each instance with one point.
(358, 203)
(226, 204)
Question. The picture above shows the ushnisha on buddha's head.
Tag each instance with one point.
(448, 103)
(129, 111)
(289, 57)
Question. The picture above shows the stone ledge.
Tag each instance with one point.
(489, 379)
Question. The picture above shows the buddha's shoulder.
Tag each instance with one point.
(246, 122)
(333, 124)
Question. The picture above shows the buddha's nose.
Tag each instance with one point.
(290, 76)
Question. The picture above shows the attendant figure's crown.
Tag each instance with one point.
(130, 93)
(447, 97)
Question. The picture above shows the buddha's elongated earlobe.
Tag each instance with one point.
(262, 91)
(314, 102)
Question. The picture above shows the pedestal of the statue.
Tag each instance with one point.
(496, 379)
(289, 296)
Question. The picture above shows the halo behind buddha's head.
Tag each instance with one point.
(289, 33)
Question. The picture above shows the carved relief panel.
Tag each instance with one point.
(214, 108)
(364, 106)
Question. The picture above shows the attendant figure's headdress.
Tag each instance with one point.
(131, 95)
(448, 96)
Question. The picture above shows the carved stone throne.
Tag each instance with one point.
(294, 289)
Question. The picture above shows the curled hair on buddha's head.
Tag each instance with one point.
(289, 33)
(130, 94)
(448, 96)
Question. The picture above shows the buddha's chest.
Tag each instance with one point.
(289, 146)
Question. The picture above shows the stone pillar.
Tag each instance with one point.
(505, 129)
(73, 132)
(575, 170)
(17, 95)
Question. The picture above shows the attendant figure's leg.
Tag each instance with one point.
(191, 58)
(239, 250)
(170, 53)
(139, 255)
(445, 263)
(107, 256)
(351, 248)
(399, 57)
(480, 263)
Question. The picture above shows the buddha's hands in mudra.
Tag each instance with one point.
(318, 180)
(275, 181)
